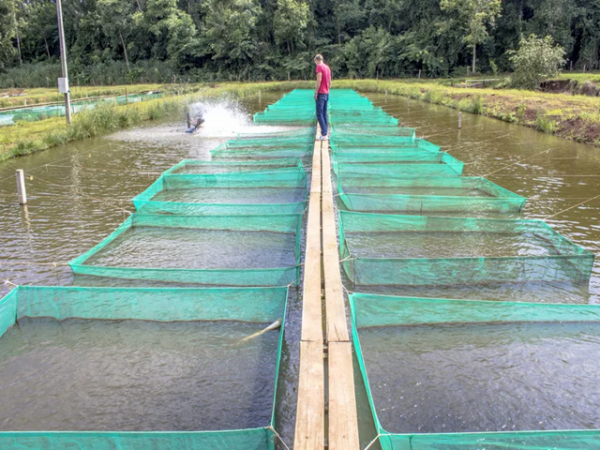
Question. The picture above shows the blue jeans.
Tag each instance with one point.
(322, 100)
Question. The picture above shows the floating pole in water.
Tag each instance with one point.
(21, 187)
(459, 120)
(275, 325)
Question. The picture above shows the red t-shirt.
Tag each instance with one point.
(325, 78)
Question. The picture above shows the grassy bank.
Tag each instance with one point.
(12, 98)
(29, 137)
(574, 117)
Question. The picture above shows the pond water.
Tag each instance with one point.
(80, 193)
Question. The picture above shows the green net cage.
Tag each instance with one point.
(249, 305)
(234, 250)
(269, 192)
(195, 166)
(296, 132)
(382, 145)
(409, 163)
(261, 154)
(376, 312)
(388, 249)
(425, 194)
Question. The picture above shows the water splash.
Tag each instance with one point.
(223, 118)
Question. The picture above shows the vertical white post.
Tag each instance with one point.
(259, 96)
(63, 60)
(419, 73)
(21, 187)
(459, 120)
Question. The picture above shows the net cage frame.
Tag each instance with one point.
(500, 200)
(419, 144)
(278, 276)
(302, 131)
(292, 178)
(574, 263)
(256, 305)
(258, 143)
(233, 166)
(374, 310)
(397, 164)
(343, 131)
(302, 152)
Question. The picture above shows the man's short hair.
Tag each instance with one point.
(319, 57)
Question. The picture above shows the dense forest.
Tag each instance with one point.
(203, 40)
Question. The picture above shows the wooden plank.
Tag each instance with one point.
(343, 420)
(310, 415)
(312, 303)
(336, 323)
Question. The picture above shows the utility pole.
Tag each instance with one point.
(63, 83)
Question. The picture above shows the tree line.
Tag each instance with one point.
(202, 40)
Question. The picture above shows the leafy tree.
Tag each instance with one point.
(477, 15)
(536, 60)
(290, 21)
(116, 17)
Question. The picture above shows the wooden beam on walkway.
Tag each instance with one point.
(343, 420)
(310, 412)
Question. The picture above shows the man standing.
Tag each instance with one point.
(322, 94)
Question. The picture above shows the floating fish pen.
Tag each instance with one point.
(138, 368)
(425, 194)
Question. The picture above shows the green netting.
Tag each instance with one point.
(382, 145)
(256, 143)
(195, 166)
(303, 152)
(307, 131)
(378, 311)
(386, 249)
(269, 192)
(259, 305)
(409, 163)
(345, 131)
(425, 194)
(294, 108)
(143, 235)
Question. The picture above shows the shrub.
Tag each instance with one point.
(536, 60)
(545, 124)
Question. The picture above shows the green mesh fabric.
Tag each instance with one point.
(561, 260)
(369, 310)
(392, 193)
(294, 108)
(383, 145)
(344, 131)
(296, 132)
(279, 276)
(409, 163)
(259, 305)
(220, 184)
(195, 166)
(256, 154)
(276, 142)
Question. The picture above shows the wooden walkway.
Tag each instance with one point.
(322, 265)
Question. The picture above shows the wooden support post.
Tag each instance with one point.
(21, 187)
(188, 118)
(459, 120)
(419, 73)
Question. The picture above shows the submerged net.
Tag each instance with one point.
(255, 305)
(425, 194)
(384, 249)
(376, 312)
(281, 191)
(234, 250)
(409, 163)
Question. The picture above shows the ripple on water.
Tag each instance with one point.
(135, 375)
(482, 377)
